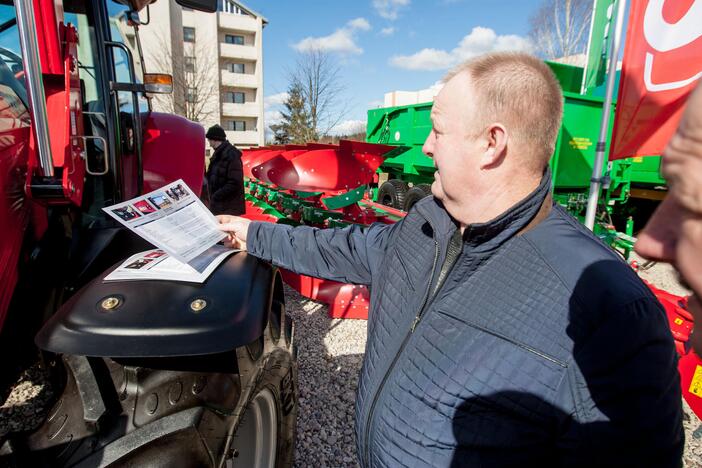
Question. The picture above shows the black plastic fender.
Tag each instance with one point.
(158, 318)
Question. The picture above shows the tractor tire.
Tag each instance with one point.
(415, 194)
(233, 409)
(392, 193)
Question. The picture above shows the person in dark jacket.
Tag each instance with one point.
(501, 332)
(225, 175)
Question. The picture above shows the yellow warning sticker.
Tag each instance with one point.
(696, 384)
(678, 321)
(637, 159)
(580, 143)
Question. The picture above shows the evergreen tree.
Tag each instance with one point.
(295, 126)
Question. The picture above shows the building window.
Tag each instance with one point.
(233, 39)
(188, 34)
(190, 94)
(189, 64)
(235, 97)
(236, 125)
(237, 68)
(229, 6)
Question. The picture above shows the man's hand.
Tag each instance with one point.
(236, 229)
(674, 232)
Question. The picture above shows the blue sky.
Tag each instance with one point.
(385, 45)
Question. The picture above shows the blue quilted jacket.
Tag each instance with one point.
(503, 346)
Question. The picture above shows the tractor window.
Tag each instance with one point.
(122, 32)
(13, 92)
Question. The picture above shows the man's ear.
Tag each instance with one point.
(496, 139)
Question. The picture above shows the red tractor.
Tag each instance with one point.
(150, 373)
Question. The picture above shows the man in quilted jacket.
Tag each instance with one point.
(501, 332)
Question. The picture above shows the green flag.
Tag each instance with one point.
(600, 30)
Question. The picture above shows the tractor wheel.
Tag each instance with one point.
(415, 194)
(265, 435)
(392, 193)
(182, 411)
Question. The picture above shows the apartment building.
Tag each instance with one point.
(219, 59)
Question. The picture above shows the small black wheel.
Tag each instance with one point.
(392, 193)
(415, 194)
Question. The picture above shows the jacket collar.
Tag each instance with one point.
(496, 231)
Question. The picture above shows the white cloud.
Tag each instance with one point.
(389, 9)
(387, 31)
(275, 99)
(359, 23)
(272, 117)
(343, 40)
(479, 41)
(348, 127)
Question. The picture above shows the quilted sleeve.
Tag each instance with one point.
(626, 393)
(349, 255)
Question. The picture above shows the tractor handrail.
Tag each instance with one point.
(37, 100)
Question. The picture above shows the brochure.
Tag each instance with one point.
(175, 220)
(172, 218)
(158, 265)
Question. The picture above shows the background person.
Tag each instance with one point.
(225, 175)
(674, 232)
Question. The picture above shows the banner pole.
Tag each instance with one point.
(596, 180)
(589, 44)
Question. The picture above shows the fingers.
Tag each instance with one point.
(659, 238)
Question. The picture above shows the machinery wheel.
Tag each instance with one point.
(392, 193)
(265, 434)
(415, 194)
(236, 409)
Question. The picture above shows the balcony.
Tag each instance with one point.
(249, 109)
(237, 22)
(249, 137)
(238, 51)
(240, 80)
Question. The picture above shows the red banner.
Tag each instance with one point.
(662, 63)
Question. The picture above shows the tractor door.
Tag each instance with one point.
(111, 110)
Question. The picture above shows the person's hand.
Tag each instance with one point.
(674, 232)
(236, 229)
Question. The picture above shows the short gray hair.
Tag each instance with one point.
(520, 91)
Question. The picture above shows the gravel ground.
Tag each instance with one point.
(330, 355)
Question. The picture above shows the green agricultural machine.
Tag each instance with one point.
(633, 186)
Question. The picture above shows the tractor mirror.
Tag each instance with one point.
(210, 6)
(158, 83)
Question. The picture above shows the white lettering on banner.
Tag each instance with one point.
(663, 37)
(656, 87)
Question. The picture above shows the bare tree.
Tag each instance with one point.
(195, 85)
(559, 28)
(317, 76)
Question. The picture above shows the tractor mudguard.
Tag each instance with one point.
(138, 319)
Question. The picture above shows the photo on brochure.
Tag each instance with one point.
(127, 213)
(144, 207)
(141, 263)
(160, 200)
